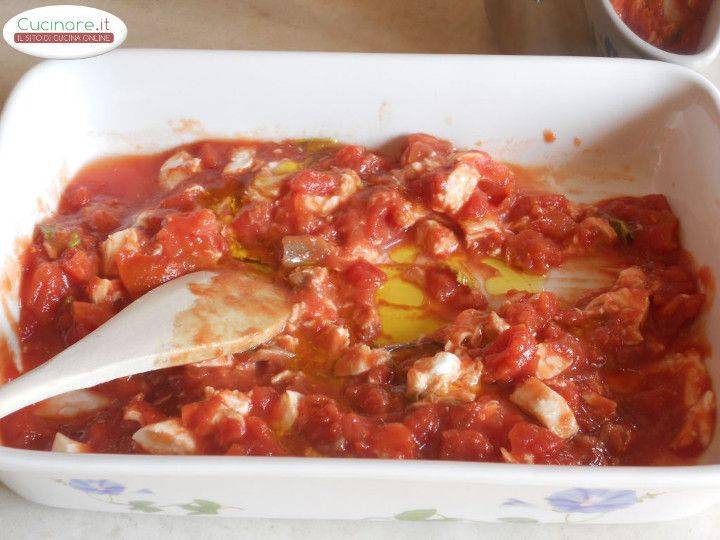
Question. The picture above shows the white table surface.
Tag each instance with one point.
(454, 26)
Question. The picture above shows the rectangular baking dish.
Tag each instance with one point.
(621, 126)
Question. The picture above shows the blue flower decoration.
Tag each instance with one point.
(591, 501)
(515, 502)
(97, 487)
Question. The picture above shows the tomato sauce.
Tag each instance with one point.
(420, 329)
(675, 26)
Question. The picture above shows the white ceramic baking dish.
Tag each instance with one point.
(615, 38)
(622, 126)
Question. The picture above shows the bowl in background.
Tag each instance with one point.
(615, 38)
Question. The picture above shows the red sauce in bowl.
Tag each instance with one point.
(672, 25)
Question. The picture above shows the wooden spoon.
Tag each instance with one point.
(196, 317)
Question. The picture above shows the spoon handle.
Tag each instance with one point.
(66, 372)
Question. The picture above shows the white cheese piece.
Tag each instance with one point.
(166, 437)
(241, 159)
(436, 239)
(61, 443)
(71, 404)
(360, 359)
(433, 375)
(178, 167)
(697, 428)
(231, 404)
(104, 291)
(288, 405)
(550, 362)
(538, 399)
(124, 239)
(478, 229)
(325, 204)
(457, 189)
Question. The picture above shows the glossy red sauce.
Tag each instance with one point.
(325, 219)
(674, 25)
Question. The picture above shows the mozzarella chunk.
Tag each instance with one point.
(288, 406)
(433, 375)
(494, 325)
(336, 339)
(628, 300)
(266, 184)
(349, 183)
(178, 167)
(436, 239)
(61, 443)
(104, 291)
(539, 400)
(113, 244)
(71, 404)
(478, 229)
(509, 458)
(284, 375)
(689, 368)
(229, 404)
(550, 362)
(697, 427)
(166, 437)
(359, 359)
(241, 159)
(456, 189)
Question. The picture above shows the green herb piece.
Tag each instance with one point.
(623, 230)
(48, 232)
(74, 240)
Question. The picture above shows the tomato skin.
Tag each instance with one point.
(258, 440)
(369, 398)
(532, 251)
(443, 286)
(476, 206)
(87, 317)
(533, 310)
(320, 422)
(360, 160)
(529, 439)
(511, 356)
(79, 265)
(313, 183)
(47, 289)
(252, 223)
(393, 441)
(422, 146)
(187, 242)
(366, 279)
(357, 430)
(425, 423)
(465, 445)
(655, 227)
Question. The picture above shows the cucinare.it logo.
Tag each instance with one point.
(64, 32)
